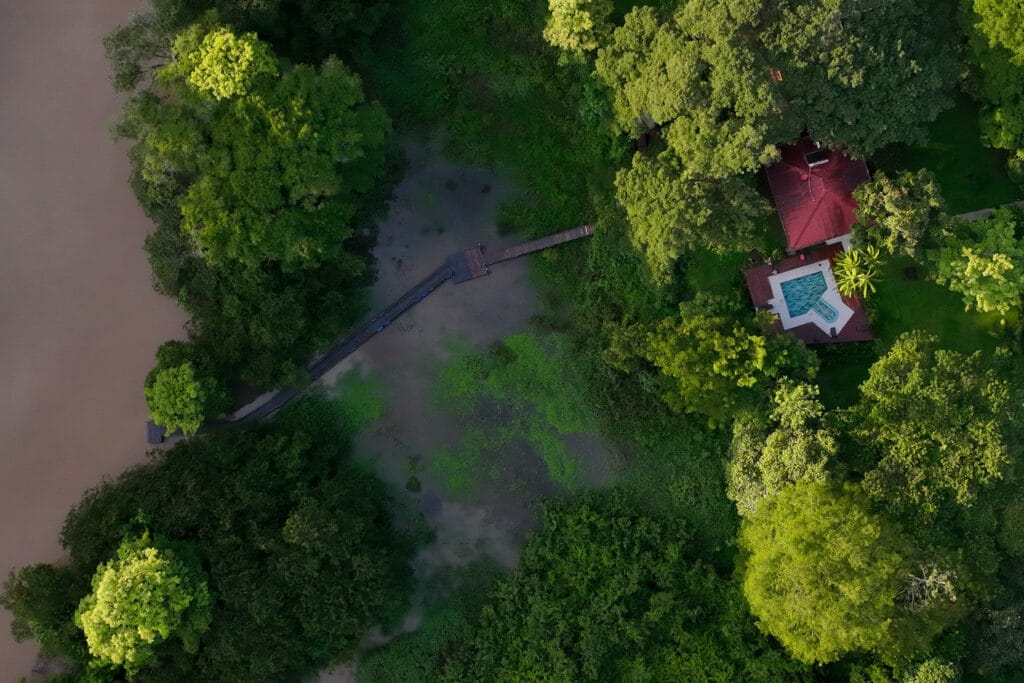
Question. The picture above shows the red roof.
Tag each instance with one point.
(815, 201)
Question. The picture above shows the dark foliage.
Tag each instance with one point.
(297, 544)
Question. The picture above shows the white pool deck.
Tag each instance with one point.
(831, 296)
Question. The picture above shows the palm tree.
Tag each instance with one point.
(856, 271)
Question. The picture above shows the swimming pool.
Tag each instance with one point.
(804, 293)
(828, 313)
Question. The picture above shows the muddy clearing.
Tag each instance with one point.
(441, 208)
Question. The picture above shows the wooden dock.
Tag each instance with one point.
(542, 243)
(467, 265)
(460, 267)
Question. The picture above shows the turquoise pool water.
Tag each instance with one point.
(826, 311)
(804, 293)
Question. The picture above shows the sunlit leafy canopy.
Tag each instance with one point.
(861, 73)
(717, 363)
(264, 200)
(792, 445)
(220, 63)
(696, 77)
(274, 168)
(178, 399)
(821, 573)
(577, 25)
(303, 31)
(297, 543)
(934, 420)
(857, 271)
(672, 210)
(728, 80)
(998, 79)
(984, 261)
(898, 213)
(140, 599)
(1002, 21)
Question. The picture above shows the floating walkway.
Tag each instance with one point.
(459, 267)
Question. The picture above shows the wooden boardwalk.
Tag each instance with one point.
(543, 243)
(467, 265)
(985, 213)
(460, 267)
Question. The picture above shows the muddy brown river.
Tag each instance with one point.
(79, 321)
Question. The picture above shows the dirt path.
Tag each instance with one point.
(79, 321)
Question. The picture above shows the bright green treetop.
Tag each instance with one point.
(861, 74)
(997, 55)
(793, 446)
(274, 168)
(695, 77)
(671, 210)
(821, 573)
(856, 271)
(933, 420)
(717, 364)
(227, 65)
(577, 25)
(897, 213)
(1002, 21)
(297, 152)
(142, 598)
(985, 262)
(727, 80)
(178, 398)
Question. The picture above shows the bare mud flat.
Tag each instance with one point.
(79, 321)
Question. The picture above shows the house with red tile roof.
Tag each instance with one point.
(813, 191)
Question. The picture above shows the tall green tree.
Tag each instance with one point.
(851, 76)
(820, 572)
(717, 363)
(698, 78)
(180, 398)
(263, 178)
(303, 148)
(671, 211)
(994, 49)
(729, 80)
(793, 445)
(42, 599)
(577, 26)
(297, 547)
(143, 597)
(304, 31)
(1003, 23)
(605, 593)
(898, 213)
(984, 261)
(934, 421)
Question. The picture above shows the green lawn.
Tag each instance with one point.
(971, 175)
(901, 305)
(720, 274)
(919, 304)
